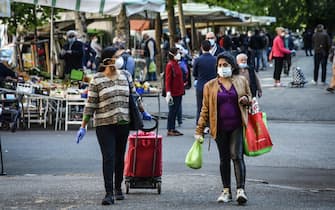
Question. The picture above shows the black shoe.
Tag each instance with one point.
(119, 195)
(330, 89)
(108, 200)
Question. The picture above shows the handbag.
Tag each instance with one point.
(136, 121)
(270, 55)
(194, 156)
(256, 137)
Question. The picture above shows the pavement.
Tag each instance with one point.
(47, 170)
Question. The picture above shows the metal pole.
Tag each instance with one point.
(52, 45)
(2, 170)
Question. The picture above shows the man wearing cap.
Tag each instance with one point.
(72, 53)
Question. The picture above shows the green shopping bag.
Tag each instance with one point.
(77, 74)
(152, 67)
(194, 156)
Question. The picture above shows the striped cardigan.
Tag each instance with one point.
(108, 100)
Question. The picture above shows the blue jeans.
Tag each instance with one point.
(180, 115)
(173, 111)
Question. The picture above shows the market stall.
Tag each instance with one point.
(39, 85)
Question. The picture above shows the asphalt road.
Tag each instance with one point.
(48, 170)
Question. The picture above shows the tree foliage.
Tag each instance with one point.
(28, 16)
(293, 14)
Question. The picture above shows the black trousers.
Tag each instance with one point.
(278, 67)
(320, 58)
(230, 146)
(199, 97)
(112, 140)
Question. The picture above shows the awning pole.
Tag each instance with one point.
(52, 45)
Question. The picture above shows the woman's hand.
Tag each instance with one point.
(244, 101)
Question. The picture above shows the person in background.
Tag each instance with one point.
(307, 38)
(108, 102)
(128, 61)
(6, 72)
(331, 87)
(288, 43)
(265, 43)
(97, 48)
(321, 44)
(72, 53)
(174, 85)
(225, 107)
(250, 74)
(150, 52)
(204, 69)
(278, 53)
(215, 48)
(257, 45)
(89, 54)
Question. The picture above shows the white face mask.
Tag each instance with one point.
(212, 41)
(224, 71)
(243, 65)
(177, 57)
(119, 63)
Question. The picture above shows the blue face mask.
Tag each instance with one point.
(243, 65)
(71, 40)
(212, 41)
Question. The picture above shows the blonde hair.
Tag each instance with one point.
(280, 29)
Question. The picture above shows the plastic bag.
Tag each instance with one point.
(256, 137)
(194, 156)
(152, 67)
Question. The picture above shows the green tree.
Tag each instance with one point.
(293, 14)
(28, 16)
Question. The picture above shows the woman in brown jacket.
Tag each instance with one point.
(225, 102)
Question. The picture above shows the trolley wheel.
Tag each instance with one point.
(127, 187)
(159, 185)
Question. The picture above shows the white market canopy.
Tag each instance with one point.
(203, 14)
(111, 7)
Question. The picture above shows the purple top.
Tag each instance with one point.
(229, 114)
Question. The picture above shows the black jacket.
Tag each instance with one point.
(73, 60)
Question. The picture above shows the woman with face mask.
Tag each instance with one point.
(225, 107)
(174, 85)
(278, 53)
(249, 73)
(108, 103)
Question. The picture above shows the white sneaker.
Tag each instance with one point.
(313, 82)
(241, 197)
(206, 130)
(225, 196)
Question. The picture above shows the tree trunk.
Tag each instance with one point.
(123, 27)
(80, 23)
(158, 33)
(171, 22)
(181, 19)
